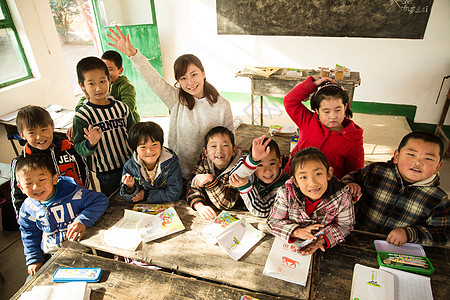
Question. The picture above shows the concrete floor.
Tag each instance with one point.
(381, 137)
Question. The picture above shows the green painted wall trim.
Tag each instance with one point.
(373, 108)
(431, 128)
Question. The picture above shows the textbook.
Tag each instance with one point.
(238, 238)
(285, 263)
(385, 283)
(67, 291)
(215, 227)
(156, 226)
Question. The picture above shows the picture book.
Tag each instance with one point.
(238, 238)
(152, 208)
(386, 283)
(285, 263)
(215, 227)
(156, 226)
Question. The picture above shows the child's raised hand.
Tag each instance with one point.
(75, 231)
(121, 42)
(259, 150)
(206, 212)
(397, 237)
(128, 180)
(313, 246)
(139, 196)
(201, 179)
(33, 268)
(354, 188)
(93, 134)
(236, 181)
(319, 81)
(306, 233)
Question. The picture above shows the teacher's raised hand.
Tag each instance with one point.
(121, 42)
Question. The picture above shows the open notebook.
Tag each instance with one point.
(66, 291)
(387, 283)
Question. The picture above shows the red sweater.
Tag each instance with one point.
(343, 150)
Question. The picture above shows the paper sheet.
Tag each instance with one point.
(124, 234)
(409, 286)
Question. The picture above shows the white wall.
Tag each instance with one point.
(392, 70)
(51, 84)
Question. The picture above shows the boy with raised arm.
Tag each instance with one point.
(258, 176)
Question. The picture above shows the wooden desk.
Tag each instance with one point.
(280, 85)
(124, 281)
(185, 252)
(246, 133)
(333, 269)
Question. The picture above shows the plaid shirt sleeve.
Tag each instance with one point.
(357, 177)
(278, 220)
(195, 195)
(435, 232)
(343, 221)
(220, 193)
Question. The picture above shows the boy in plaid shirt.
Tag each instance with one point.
(210, 182)
(312, 200)
(402, 198)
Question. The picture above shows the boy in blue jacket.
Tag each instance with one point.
(153, 172)
(56, 209)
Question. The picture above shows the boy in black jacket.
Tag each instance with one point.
(36, 126)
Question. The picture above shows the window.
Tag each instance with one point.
(13, 64)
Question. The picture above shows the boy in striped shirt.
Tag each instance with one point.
(101, 126)
(258, 176)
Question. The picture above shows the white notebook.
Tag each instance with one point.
(66, 291)
(285, 263)
(387, 283)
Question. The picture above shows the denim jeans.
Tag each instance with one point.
(109, 181)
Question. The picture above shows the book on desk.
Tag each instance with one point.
(285, 263)
(67, 291)
(136, 227)
(385, 283)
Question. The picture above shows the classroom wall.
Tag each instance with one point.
(396, 71)
(51, 84)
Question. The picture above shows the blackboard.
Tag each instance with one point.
(332, 18)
